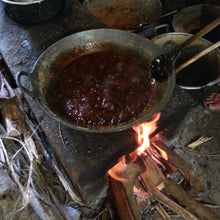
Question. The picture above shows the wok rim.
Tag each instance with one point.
(190, 10)
(109, 128)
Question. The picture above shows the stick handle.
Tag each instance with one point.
(197, 56)
(199, 34)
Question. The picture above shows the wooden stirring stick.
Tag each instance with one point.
(197, 56)
(160, 67)
(199, 34)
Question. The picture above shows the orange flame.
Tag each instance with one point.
(115, 171)
(143, 132)
(162, 152)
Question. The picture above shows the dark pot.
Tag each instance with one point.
(204, 72)
(194, 18)
(32, 12)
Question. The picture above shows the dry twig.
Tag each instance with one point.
(199, 141)
(162, 212)
(25, 191)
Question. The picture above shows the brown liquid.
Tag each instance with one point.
(100, 89)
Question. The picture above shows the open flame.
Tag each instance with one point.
(115, 172)
(162, 153)
(143, 132)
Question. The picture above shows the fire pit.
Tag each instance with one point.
(152, 163)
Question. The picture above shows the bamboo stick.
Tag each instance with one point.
(199, 34)
(162, 212)
(197, 56)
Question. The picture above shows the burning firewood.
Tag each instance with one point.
(188, 202)
(173, 205)
(153, 178)
(157, 158)
(123, 190)
(194, 180)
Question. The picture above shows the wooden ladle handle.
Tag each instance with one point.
(199, 34)
(197, 56)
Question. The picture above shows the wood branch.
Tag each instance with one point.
(123, 191)
(66, 185)
(153, 178)
(194, 180)
(200, 140)
(162, 212)
(190, 203)
(173, 205)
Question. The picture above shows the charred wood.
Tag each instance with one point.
(194, 180)
(123, 191)
(155, 181)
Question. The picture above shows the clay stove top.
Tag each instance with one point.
(81, 152)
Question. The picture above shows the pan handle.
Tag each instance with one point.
(161, 29)
(20, 83)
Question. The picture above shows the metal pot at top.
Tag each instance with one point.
(32, 11)
(204, 71)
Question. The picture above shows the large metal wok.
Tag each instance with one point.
(125, 15)
(56, 57)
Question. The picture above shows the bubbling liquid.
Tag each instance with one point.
(100, 89)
